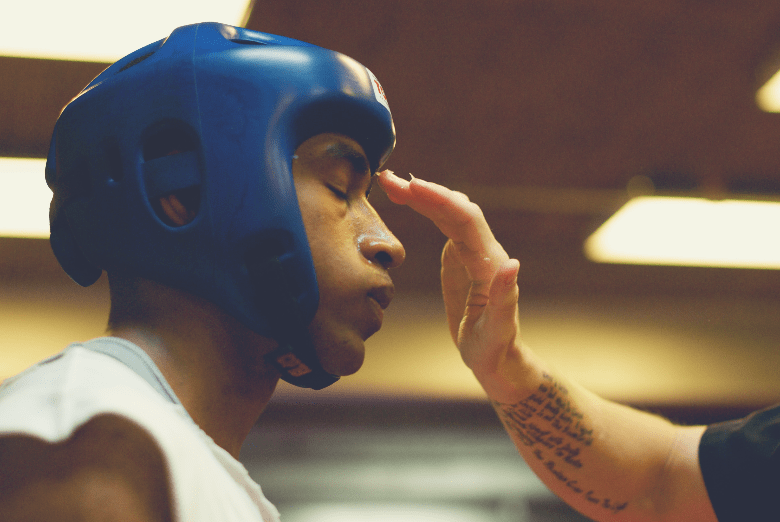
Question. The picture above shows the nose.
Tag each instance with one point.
(378, 244)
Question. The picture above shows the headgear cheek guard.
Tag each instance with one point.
(216, 112)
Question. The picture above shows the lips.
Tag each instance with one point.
(382, 295)
(380, 298)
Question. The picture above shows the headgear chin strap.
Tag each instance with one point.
(217, 112)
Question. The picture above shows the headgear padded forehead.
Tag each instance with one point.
(217, 111)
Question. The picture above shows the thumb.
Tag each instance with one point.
(488, 340)
(499, 320)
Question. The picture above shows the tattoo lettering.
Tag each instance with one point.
(550, 404)
(547, 421)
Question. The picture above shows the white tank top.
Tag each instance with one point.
(109, 375)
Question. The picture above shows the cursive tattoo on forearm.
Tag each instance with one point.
(555, 428)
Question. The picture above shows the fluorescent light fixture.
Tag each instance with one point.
(768, 96)
(386, 512)
(100, 30)
(24, 198)
(690, 232)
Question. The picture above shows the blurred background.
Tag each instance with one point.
(549, 114)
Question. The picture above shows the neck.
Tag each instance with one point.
(213, 363)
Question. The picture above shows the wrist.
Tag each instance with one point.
(513, 377)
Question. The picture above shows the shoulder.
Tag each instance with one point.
(53, 397)
(108, 469)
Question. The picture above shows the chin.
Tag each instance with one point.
(345, 361)
(340, 353)
(349, 370)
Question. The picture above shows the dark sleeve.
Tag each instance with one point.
(740, 461)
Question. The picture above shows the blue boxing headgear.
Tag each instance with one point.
(216, 111)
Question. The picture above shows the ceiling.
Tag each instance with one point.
(541, 111)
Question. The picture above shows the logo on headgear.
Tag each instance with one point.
(379, 92)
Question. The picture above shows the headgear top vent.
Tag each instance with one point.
(217, 111)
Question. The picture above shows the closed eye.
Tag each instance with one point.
(339, 193)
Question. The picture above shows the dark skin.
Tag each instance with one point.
(213, 363)
(84, 477)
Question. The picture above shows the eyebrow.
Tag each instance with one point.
(345, 151)
(356, 159)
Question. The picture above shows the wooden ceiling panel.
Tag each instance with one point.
(561, 94)
(32, 94)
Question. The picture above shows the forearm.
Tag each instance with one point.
(606, 460)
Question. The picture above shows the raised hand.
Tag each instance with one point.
(479, 280)
(603, 459)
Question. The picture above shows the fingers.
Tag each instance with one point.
(487, 336)
(501, 310)
(478, 278)
(397, 189)
(451, 211)
(458, 218)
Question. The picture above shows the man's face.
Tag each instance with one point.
(351, 246)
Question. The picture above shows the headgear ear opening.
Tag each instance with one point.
(172, 167)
